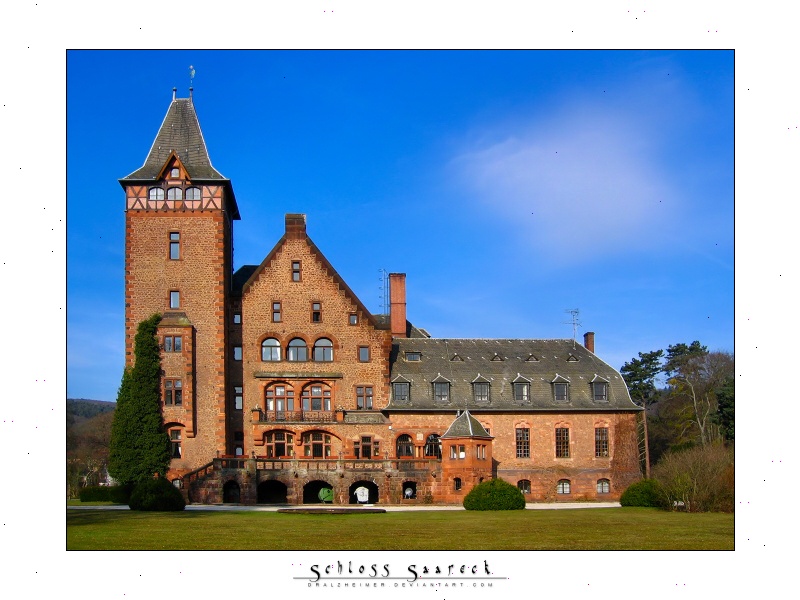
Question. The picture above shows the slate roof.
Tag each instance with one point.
(501, 363)
(465, 425)
(385, 322)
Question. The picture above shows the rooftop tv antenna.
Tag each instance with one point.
(384, 290)
(575, 323)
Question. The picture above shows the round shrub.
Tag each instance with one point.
(156, 494)
(118, 494)
(646, 492)
(494, 494)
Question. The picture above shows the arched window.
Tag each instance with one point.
(457, 483)
(279, 401)
(193, 193)
(524, 486)
(174, 193)
(298, 351)
(270, 350)
(323, 350)
(317, 397)
(405, 446)
(156, 193)
(432, 446)
(563, 486)
(279, 443)
(603, 486)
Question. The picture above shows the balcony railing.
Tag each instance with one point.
(296, 416)
(346, 464)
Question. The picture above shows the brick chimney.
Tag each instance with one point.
(588, 341)
(295, 226)
(397, 307)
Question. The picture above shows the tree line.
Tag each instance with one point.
(693, 406)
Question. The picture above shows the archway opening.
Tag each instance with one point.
(363, 492)
(231, 492)
(272, 492)
(317, 492)
(409, 490)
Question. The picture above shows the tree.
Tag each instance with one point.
(640, 377)
(694, 375)
(140, 447)
(725, 413)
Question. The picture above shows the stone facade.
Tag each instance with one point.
(279, 386)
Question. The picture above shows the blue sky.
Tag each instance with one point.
(510, 186)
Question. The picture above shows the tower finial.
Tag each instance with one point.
(191, 80)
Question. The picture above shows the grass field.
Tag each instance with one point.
(581, 529)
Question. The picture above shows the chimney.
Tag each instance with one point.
(588, 341)
(397, 298)
(295, 226)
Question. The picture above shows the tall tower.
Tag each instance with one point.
(179, 213)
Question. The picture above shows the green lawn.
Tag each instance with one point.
(579, 529)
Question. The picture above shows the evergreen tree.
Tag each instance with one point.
(640, 376)
(725, 412)
(139, 445)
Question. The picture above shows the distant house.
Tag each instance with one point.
(279, 385)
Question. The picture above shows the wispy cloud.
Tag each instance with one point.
(584, 182)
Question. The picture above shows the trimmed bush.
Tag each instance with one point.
(646, 492)
(494, 494)
(118, 494)
(156, 494)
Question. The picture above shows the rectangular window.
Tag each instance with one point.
(173, 392)
(316, 312)
(174, 299)
(400, 391)
(441, 392)
(238, 397)
(295, 270)
(600, 391)
(363, 353)
(522, 392)
(173, 343)
(276, 312)
(364, 397)
(237, 353)
(462, 451)
(601, 442)
(174, 245)
(481, 451)
(175, 442)
(453, 453)
(562, 442)
(352, 319)
(560, 392)
(523, 442)
(481, 391)
(237, 318)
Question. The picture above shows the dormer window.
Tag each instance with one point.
(175, 172)
(441, 391)
(600, 391)
(401, 392)
(522, 392)
(560, 391)
(413, 356)
(480, 391)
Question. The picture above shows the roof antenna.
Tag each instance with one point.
(191, 80)
(174, 91)
(575, 323)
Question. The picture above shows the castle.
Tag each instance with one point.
(279, 386)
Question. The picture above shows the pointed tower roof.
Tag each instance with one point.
(179, 133)
(465, 425)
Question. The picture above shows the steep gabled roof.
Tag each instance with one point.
(179, 133)
(326, 265)
(465, 425)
